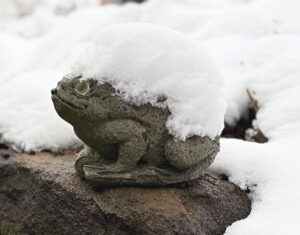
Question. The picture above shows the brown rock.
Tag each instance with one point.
(40, 194)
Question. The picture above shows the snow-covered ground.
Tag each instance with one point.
(255, 43)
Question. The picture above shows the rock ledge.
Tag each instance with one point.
(41, 194)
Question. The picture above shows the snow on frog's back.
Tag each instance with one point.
(145, 62)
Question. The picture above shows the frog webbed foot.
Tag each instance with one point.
(86, 156)
(81, 161)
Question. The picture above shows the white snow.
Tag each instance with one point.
(256, 45)
(28, 110)
(271, 172)
(145, 62)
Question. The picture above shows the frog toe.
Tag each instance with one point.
(81, 161)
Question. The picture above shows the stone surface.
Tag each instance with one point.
(41, 194)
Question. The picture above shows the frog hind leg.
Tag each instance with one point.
(183, 155)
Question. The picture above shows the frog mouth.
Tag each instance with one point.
(56, 97)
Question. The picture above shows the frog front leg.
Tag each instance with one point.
(131, 139)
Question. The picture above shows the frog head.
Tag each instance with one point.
(80, 101)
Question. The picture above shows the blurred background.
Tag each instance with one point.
(41, 39)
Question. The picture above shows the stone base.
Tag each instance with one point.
(41, 194)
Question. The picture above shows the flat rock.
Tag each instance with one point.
(41, 194)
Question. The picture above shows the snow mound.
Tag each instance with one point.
(31, 121)
(145, 62)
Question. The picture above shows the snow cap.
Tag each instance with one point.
(145, 62)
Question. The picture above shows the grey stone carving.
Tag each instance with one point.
(127, 144)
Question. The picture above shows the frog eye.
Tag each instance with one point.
(82, 87)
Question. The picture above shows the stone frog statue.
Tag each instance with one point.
(127, 144)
